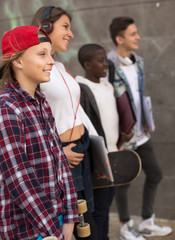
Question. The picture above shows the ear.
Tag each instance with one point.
(17, 63)
(87, 65)
(119, 40)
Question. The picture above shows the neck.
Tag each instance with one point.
(123, 52)
(92, 78)
(28, 89)
(28, 86)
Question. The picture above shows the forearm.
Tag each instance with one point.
(70, 200)
(68, 230)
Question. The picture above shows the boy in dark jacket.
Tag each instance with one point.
(98, 101)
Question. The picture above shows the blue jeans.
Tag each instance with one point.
(82, 174)
(153, 176)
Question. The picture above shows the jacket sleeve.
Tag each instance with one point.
(20, 179)
(88, 124)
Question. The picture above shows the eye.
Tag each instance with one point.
(101, 60)
(66, 26)
(42, 53)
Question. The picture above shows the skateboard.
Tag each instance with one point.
(125, 166)
(83, 229)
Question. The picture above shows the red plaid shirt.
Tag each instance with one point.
(36, 184)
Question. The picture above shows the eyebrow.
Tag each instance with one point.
(66, 23)
(43, 48)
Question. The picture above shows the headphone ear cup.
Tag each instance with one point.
(47, 26)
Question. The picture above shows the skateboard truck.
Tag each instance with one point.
(83, 229)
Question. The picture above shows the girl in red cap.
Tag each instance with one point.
(36, 187)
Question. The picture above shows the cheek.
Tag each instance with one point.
(55, 37)
(33, 67)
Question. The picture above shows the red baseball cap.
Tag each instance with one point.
(21, 38)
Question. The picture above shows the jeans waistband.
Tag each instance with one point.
(81, 139)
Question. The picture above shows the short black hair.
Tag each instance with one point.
(118, 26)
(87, 51)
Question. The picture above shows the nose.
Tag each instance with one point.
(138, 37)
(106, 63)
(71, 34)
(51, 60)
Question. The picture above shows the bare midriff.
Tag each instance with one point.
(78, 131)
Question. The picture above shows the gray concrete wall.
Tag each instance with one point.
(156, 23)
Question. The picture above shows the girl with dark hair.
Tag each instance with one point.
(63, 95)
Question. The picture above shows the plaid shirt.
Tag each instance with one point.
(36, 184)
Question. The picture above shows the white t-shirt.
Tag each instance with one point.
(58, 95)
(132, 77)
(104, 96)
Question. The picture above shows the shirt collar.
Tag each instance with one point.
(25, 95)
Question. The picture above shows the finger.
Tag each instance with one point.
(71, 166)
(71, 145)
(75, 163)
(76, 159)
(78, 155)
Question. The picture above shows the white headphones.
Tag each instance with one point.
(127, 61)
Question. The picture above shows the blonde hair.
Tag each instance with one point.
(7, 69)
(8, 73)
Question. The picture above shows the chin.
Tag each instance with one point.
(103, 76)
(63, 49)
(46, 80)
(136, 47)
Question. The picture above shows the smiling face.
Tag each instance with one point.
(98, 65)
(61, 34)
(34, 66)
(130, 38)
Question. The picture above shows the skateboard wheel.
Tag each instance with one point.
(50, 238)
(82, 206)
(83, 231)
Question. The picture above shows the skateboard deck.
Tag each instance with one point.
(125, 166)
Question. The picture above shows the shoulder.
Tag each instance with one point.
(113, 60)
(85, 89)
(139, 59)
(8, 98)
(59, 65)
(105, 82)
(83, 82)
(10, 105)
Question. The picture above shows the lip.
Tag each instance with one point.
(66, 41)
(48, 71)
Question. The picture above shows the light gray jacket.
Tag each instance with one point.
(121, 84)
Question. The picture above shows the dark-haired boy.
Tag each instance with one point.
(98, 101)
(129, 75)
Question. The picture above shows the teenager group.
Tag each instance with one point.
(46, 117)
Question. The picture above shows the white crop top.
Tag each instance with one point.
(59, 99)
